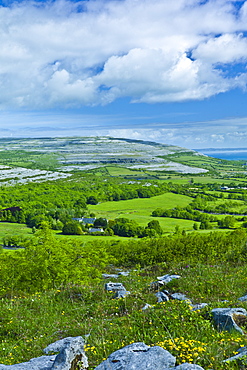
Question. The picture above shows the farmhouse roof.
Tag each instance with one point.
(95, 230)
(85, 220)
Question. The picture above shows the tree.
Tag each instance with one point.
(158, 212)
(155, 225)
(100, 222)
(108, 232)
(48, 263)
(195, 226)
(227, 222)
(72, 228)
(80, 203)
(125, 227)
(92, 200)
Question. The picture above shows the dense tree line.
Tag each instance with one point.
(47, 262)
(184, 213)
(204, 210)
(193, 247)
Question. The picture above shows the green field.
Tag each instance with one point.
(7, 228)
(89, 238)
(140, 210)
(139, 206)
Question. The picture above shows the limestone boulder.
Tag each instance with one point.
(138, 356)
(71, 356)
(229, 319)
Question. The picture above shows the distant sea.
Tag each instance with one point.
(225, 153)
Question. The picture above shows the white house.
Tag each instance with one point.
(85, 220)
(95, 230)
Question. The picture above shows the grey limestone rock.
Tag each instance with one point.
(121, 294)
(114, 287)
(39, 363)
(71, 356)
(187, 366)
(123, 273)
(243, 298)
(167, 278)
(180, 297)
(138, 356)
(162, 280)
(198, 306)
(225, 318)
(162, 297)
(241, 356)
(146, 307)
(110, 276)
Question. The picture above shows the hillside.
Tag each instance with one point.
(160, 210)
(85, 153)
(54, 158)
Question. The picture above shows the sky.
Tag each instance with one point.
(173, 72)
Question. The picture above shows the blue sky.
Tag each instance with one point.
(167, 71)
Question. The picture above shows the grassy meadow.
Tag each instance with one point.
(139, 206)
(9, 228)
(31, 322)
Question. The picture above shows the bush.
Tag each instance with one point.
(72, 228)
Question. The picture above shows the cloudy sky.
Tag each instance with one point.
(161, 70)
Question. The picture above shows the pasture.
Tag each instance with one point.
(139, 206)
(8, 228)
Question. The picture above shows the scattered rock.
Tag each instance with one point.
(118, 288)
(142, 357)
(198, 306)
(114, 287)
(121, 294)
(110, 276)
(162, 280)
(123, 273)
(162, 297)
(115, 276)
(229, 318)
(138, 356)
(71, 356)
(241, 356)
(146, 307)
(39, 363)
(167, 278)
(187, 366)
(243, 299)
(180, 297)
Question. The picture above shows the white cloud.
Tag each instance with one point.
(218, 134)
(228, 48)
(55, 55)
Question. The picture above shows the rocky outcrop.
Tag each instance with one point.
(229, 318)
(114, 287)
(71, 356)
(180, 297)
(162, 296)
(243, 298)
(118, 288)
(165, 279)
(115, 276)
(142, 357)
(241, 357)
(162, 280)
